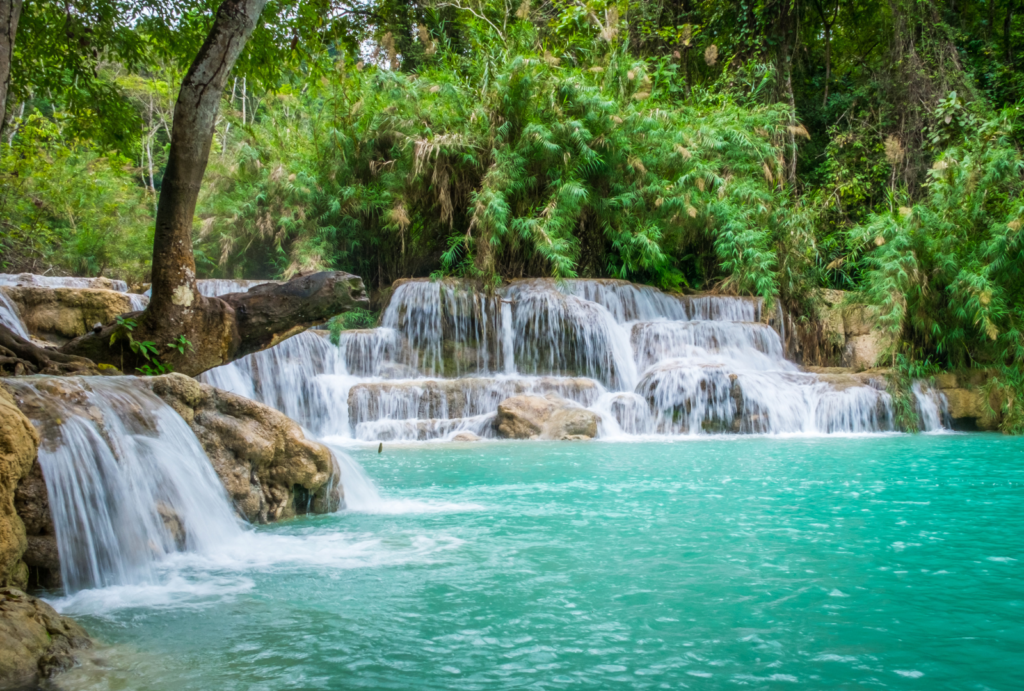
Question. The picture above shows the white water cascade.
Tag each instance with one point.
(447, 354)
(128, 481)
(9, 316)
(932, 407)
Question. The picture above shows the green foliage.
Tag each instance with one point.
(67, 206)
(946, 275)
(356, 319)
(1007, 387)
(504, 164)
(147, 349)
(181, 343)
(765, 148)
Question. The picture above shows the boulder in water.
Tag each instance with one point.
(269, 467)
(544, 417)
(35, 642)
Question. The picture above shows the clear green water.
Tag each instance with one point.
(886, 562)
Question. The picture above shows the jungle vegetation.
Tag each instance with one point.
(770, 147)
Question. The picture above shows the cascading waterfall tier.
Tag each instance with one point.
(127, 480)
(448, 353)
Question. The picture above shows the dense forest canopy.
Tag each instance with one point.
(773, 148)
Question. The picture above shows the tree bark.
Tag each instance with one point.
(175, 297)
(10, 13)
(213, 331)
(232, 326)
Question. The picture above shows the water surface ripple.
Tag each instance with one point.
(889, 562)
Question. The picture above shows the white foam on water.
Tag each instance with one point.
(198, 579)
(363, 496)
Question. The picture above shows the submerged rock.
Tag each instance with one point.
(466, 436)
(544, 417)
(268, 466)
(35, 642)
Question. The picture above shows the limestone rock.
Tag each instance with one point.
(863, 351)
(100, 283)
(18, 444)
(269, 467)
(60, 314)
(966, 405)
(35, 642)
(843, 378)
(858, 321)
(544, 417)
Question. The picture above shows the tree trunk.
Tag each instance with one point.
(212, 331)
(175, 297)
(229, 327)
(10, 13)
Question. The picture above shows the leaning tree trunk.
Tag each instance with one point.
(211, 331)
(10, 13)
(229, 327)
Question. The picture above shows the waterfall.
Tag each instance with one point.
(304, 377)
(448, 353)
(508, 337)
(449, 329)
(128, 481)
(932, 407)
(215, 287)
(558, 333)
(9, 316)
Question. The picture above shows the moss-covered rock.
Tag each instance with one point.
(18, 445)
(35, 642)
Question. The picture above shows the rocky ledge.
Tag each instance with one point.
(269, 468)
(35, 642)
(56, 315)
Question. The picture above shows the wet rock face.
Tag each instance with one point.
(18, 444)
(60, 314)
(544, 417)
(36, 643)
(269, 468)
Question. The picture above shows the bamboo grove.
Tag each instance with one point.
(772, 148)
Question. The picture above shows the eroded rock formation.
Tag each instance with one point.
(544, 417)
(18, 445)
(35, 642)
(58, 315)
(268, 466)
